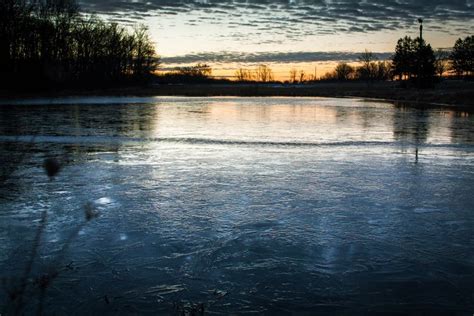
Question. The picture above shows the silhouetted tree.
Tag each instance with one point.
(442, 62)
(302, 76)
(343, 71)
(198, 73)
(264, 73)
(243, 74)
(368, 70)
(383, 70)
(293, 75)
(143, 53)
(415, 60)
(46, 42)
(462, 56)
(198, 70)
(403, 62)
(425, 64)
(330, 75)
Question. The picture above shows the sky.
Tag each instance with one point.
(309, 35)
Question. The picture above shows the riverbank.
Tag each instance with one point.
(449, 92)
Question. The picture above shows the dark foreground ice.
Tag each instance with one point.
(239, 205)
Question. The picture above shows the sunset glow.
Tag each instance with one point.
(298, 34)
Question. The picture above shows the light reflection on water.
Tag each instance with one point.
(283, 204)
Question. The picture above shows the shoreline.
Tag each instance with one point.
(449, 93)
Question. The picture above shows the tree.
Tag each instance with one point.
(243, 74)
(302, 76)
(414, 60)
(368, 70)
(143, 53)
(198, 70)
(383, 70)
(441, 62)
(203, 70)
(343, 71)
(462, 56)
(424, 64)
(48, 42)
(293, 75)
(404, 58)
(264, 73)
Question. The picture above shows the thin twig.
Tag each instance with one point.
(29, 264)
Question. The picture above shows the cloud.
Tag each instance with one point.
(276, 22)
(266, 57)
(333, 9)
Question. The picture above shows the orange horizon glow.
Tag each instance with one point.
(281, 71)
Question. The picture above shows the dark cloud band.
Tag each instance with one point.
(267, 57)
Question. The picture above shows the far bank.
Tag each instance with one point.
(449, 92)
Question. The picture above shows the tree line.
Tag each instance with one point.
(202, 73)
(413, 61)
(49, 43)
(263, 73)
(370, 69)
(199, 73)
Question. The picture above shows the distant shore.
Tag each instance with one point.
(450, 92)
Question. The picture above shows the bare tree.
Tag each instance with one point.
(343, 71)
(368, 70)
(302, 76)
(383, 70)
(49, 42)
(243, 74)
(441, 62)
(144, 61)
(264, 73)
(293, 75)
(198, 70)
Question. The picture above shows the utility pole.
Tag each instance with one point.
(421, 29)
(420, 69)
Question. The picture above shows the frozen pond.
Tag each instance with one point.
(244, 205)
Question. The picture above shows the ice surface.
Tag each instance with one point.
(244, 204)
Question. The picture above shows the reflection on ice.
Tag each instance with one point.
(123, 237)
(103, 201)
